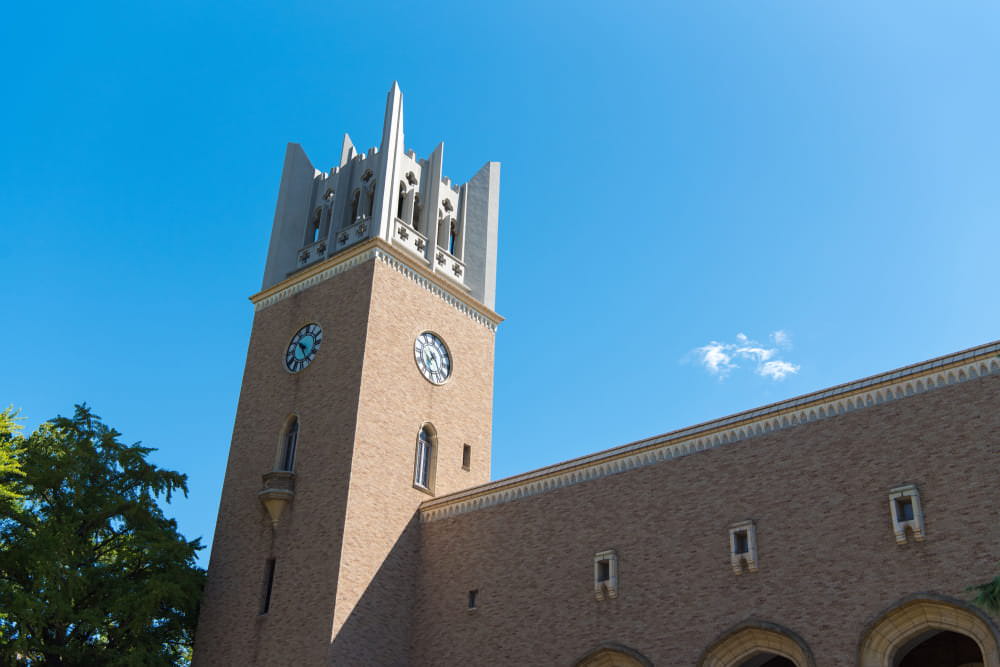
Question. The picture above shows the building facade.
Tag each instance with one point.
(358, 524)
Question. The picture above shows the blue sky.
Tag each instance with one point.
(794, 189)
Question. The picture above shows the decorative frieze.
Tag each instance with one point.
(875, 390)
(379, 251)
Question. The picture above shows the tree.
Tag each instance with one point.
(91, 571)
(9, 465)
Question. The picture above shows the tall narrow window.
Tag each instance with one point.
(466, 457)
(355, 201)
(473, 594)
(265, 603)
(402, 200)
(291, 439)
(422, 469)
(418, 210)
(314, 226)
(452, 236)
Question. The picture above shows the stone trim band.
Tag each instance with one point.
(374, 249)
(874, 390)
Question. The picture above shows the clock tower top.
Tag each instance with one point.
(388, 193)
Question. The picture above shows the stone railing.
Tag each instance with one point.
(351, 234)
(311, 253)
(447, 264)
(408, 237)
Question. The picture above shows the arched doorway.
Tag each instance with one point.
(767, 659)
(613, 655)
(940, 649)
(757, 644)
(930, 632)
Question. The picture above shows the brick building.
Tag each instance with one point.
(358, 525)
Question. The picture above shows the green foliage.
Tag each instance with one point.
(10, 468)
(988, 595)
(91, 571)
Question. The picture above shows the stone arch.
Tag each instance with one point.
(751, 638)
(912, 616)
(610, 654)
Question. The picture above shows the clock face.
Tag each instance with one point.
(432, 357)
(302, 350)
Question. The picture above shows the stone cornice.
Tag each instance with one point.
(825, 404)
(376, 248)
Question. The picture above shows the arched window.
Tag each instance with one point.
(354, 206)
(423, 466)
(402, 200)
(314, 226)
(288, 446)
(452, 236)
(370, 200)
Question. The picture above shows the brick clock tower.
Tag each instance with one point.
(367, 390)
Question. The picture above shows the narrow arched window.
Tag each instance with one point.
(314, 225)
(452, 236)
(402, 200)
(417, 212)
(425, 452)
(290, 440)
(370, 200)
(354, 205)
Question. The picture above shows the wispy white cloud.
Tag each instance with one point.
(777, 370)
(720, 359)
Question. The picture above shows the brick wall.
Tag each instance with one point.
(829, 564)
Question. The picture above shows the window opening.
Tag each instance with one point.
(452, 237)
(473, 594)
(743, 547)
(904, 509)
(906, 513)
(741, 544)
(291, 440)
(423, 466)
(355, 201)
(466, 457)
(417, 212)
(402, 200)
(606, 574)
(268, 585)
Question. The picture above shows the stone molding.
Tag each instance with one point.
(373, 249)
(754, 637)
(922, 612)
(875, 390)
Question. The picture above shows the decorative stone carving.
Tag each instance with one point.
(440, 258)
(321, 248)
(342, 237)
(420, 244)
(403, 234)
(457, 269)
(304, 257)
(278, 491)
(362, 228)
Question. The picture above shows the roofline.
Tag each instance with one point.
(876, 389)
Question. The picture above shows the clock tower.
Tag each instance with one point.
(367, 390)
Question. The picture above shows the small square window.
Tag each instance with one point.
(606, 574)
(743, 547)
(906, 513)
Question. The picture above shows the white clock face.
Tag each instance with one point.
(303, 348)
(432, 357)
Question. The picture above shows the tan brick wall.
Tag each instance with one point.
(345, 558)
(829, 563)
(379, 564)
